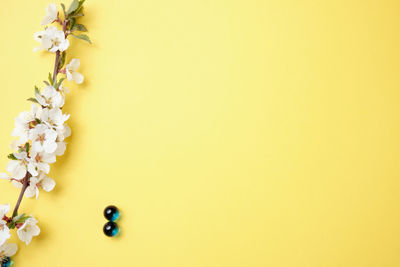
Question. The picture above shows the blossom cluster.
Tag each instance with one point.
(41, 132)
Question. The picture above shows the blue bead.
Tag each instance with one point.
(6, 262)
(111, 213)
(115, 216)
(110, 229)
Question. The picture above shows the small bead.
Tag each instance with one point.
(111, 213)
(6, 262)
(110, 229)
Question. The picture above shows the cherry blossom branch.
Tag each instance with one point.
(41, 131)
(21, 194)
(25, 183)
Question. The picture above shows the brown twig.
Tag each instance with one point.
(25, 185)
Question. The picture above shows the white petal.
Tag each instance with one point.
(37, 147)
(64, 45)
(9, 249)
(32, 170)
(43, 167)
(51, 14)
(21, 155)
(58, 100)
(41, 100)
(12, 165)
(51, 135)
(24, 236)
(69, 75)
(49, 146)
(47, 20)
(48, 184)
(46, 41)
(4, 232)
(16, 170)
(35, 230)
(31, 191)
(55, 115)
(49, 158)
(61, 147)
(73, 64)
(4, 209)
(38, 36)
(49, 91)
(77, 77)
(67, 131)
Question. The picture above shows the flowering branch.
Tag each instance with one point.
(42, 131)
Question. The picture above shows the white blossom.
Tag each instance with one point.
(51, 14)
(4, 231)
(50, 97)
(41, 161)
(61, 135)
(17, 144)
(63, 132)
(24, 122)
(43, 138)
(55, 118)
(41, 181)
(71, 72)
(52, 40)
(18, 168)
(28, 230)
(7, 250)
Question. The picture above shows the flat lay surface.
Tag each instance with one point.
(228, 133)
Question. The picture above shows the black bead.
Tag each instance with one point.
(110, 229)
(111, 213)
(6, 262)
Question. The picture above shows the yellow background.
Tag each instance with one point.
(230, 133)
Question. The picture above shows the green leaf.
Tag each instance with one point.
(16, 218)
(59, 83)
(37, 90)
(32, 99)
(11, 156)
(74, 5)
(38, 121)
(21, 218)
(11, 225)
(82, 37)
(76, 15)
(79, 27)
(63, 8)
(50, 78)
(27, 146)
(46, 83)
(72, 24)
(80, 8)
(62, 60)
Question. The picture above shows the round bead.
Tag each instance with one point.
(111, 213)
(6, 262)
(110, 229)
